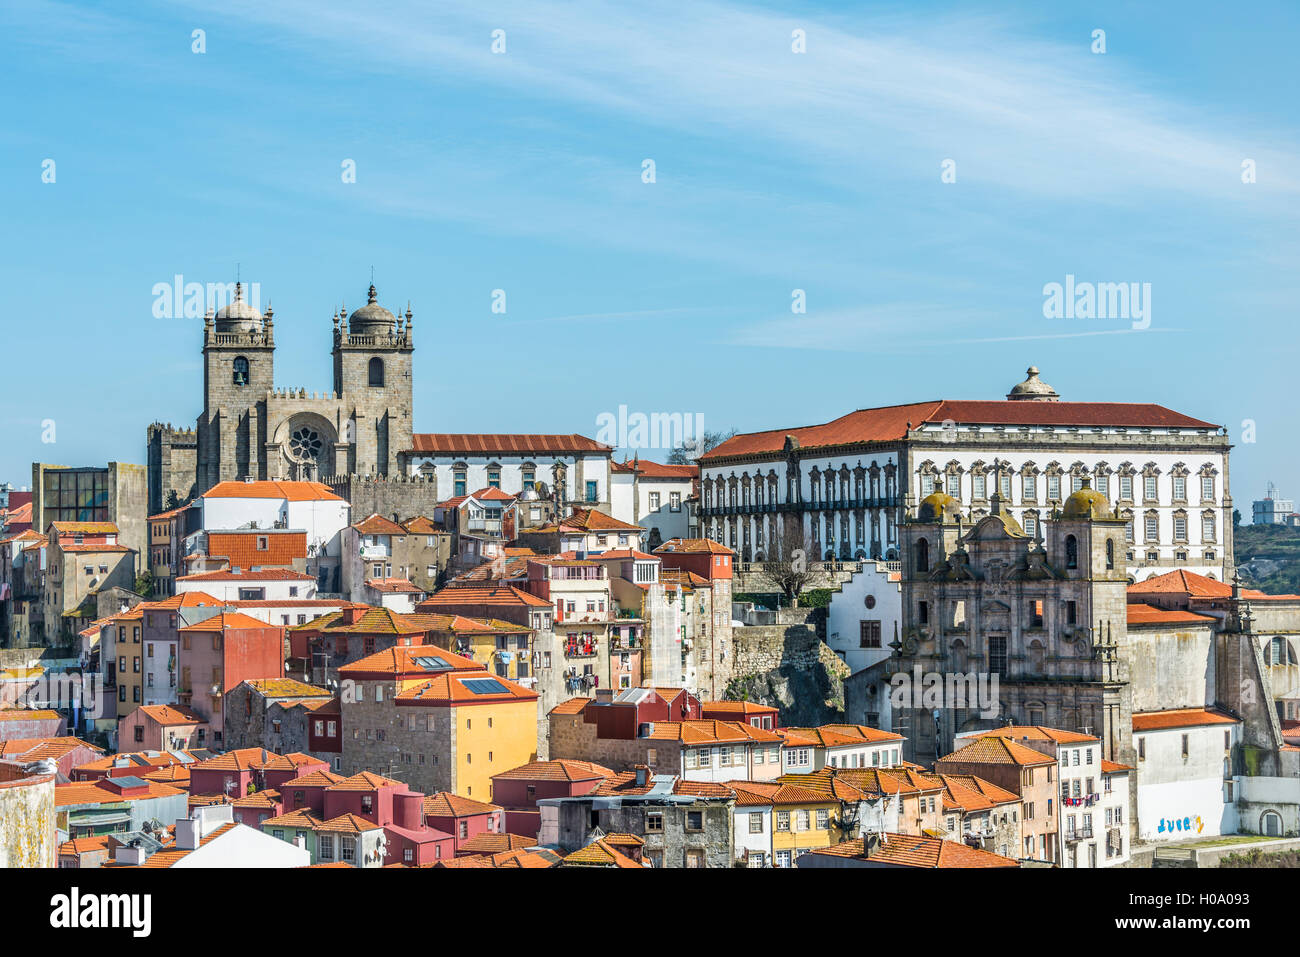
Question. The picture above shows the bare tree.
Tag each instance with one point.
(682, 455)
(790, 555)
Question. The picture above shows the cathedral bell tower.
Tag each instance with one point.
(373, 351)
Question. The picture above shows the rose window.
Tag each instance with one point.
(305, 445)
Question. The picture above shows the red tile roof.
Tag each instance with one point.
(1111, 767)
(447, 804)
(376, 524)
(481, 595)
(693, 546)
(890, 423)
(248, 575)
(908, 850)
(1020, 732)
(1181, 718)
(1139, 614)
(559, 769)
(648, 469)
(172, 714)
(372, 621)
(1182, 582)
(240, 547)
(400, 661)
(225, 620)
(592, 520)
(289, 491)
(464, 443)
(837, 735)
(996, 750)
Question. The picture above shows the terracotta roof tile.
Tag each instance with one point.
(466, 443)
(908, 850)
(289, 491)
(1181, 718)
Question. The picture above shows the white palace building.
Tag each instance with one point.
(840, 489)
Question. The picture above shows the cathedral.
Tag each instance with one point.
(249, 429)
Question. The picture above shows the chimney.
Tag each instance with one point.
(642, 775)
(408, 810)
(352, 614)
(871, 843)
(188, 833)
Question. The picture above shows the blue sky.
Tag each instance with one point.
(775, 171)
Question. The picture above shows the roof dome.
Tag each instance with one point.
(1086, 504)
(372, 318)
(238, 315)
(1033, 389)
(938, 507)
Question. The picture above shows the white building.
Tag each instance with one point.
(864, 617)
(838, 490)
(1115, 814)
(461, 463)
(266, 584)
(1185, 782)
(655, 496)
(309, 506)
(210, 837)
(839, 746)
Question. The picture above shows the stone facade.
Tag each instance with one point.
(672, 841)
(787, 666)
(250, 429)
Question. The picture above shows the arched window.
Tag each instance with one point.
(376, 371)
(1110, 553)
(1071, 552)
(240, 376)
(922, 555)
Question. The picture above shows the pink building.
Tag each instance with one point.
(162, 727)
(218, 653)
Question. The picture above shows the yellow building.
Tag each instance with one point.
(781, 821)
(435, 720)
(501, 647)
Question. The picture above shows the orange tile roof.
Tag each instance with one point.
(1182, 582)
(487, 843)
(996, 750)
(599, 853)
(172, 714)
(422, 525)
(240, 547)
(1181, 718)
(400, 661)
(694, 546)
(891, 423)
(286, 688)
(1111, 767)
(38, 749)
(85, 528)
(364, 781)
(776, 793)
(185, 599)
(456, 688)
(447, 804)
(376, 524)
(84, 845)
(467, 443)
(289, 491)
(26, 714)
(302, 817)
(349, 823)
(572, 706)
(971, 793)
(480, 595)
(373, 621)
(592, 520)
(314, 779)
(1139, 614)
(649, 469)
(393, 585)
(737, 707)
(227, 620)
(100, 792)
(558, 769)
(247, 575)
(1038, 733)
(710, 730)
(909, 850)
(839, 735)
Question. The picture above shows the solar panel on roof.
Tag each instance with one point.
(483, 685)
(429, 663)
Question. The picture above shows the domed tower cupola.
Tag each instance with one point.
(1033, 389)
(372, 319)
(238, 315)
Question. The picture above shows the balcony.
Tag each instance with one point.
(581, 649)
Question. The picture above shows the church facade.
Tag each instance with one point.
(249, 429)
